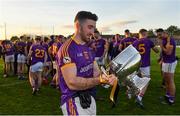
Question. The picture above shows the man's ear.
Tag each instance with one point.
(77, 25)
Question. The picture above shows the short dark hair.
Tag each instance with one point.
(21, 37)
(82, 15)
(52, 37)
(142, 31)
(38, 38)
(28, 37)
(46, 39)
(159, 30)
(127, 31)
(60, 36)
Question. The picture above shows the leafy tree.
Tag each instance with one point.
(173, 30)
(151, 33)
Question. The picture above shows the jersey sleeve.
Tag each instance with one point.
(151, 43)
(66, 55)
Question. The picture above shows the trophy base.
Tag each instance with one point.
(135, 83)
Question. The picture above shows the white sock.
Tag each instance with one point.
(139, 98)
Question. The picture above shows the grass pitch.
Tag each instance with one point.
(16, 98)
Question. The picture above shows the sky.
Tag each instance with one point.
(44, 17)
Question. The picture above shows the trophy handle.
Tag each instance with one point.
(114, 90)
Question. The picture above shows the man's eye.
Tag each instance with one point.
(90, 26)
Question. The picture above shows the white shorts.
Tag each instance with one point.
(145, 71)
(55, 65)
(36, 67)
(9, 58)
(21, 58)
(169, 67)
(73, 107)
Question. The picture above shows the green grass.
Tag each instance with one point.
(16, 98)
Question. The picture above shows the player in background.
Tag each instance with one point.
(128, 40)
(55, 47)
(8, 49)
(21, 58)
(38, 57)
(144, 46)
(48, 65)
(169, 62)
(101, 48)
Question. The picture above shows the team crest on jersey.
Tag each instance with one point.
(66, 60)
(86, 55)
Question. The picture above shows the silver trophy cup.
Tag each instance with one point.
(126, 66)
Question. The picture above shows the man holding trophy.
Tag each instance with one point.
(78, 71)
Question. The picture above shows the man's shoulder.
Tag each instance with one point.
(123, 40)
(136, 41)
(67, 48)
(172, 39)
(68, 44)
(34, 46)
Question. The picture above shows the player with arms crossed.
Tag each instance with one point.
(169, 62)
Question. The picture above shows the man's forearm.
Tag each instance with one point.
(84, 83)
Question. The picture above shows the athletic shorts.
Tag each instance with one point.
(9, 58)
(73, 107)
(145, 71)
(169, 67)
(55, 65)
(36, 67)
(21, 58)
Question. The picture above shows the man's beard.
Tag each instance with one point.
(84, 38)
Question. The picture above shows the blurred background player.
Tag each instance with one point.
(48, 65)
(169, 62)
(8, 49)
(128, 40)
(113, 50)
(21, 57)
(29, 42)
(101, 47)
(3, 56)
(54, 49)
(38, 57)
(144, 46)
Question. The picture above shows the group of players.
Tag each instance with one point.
(20, 56)
(167, 59)
(44, 56)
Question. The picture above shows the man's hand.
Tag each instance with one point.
(112, 79)
(168, 39)
(103, 79)
(108, 79)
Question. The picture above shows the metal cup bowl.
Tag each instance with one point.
(126, 63)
